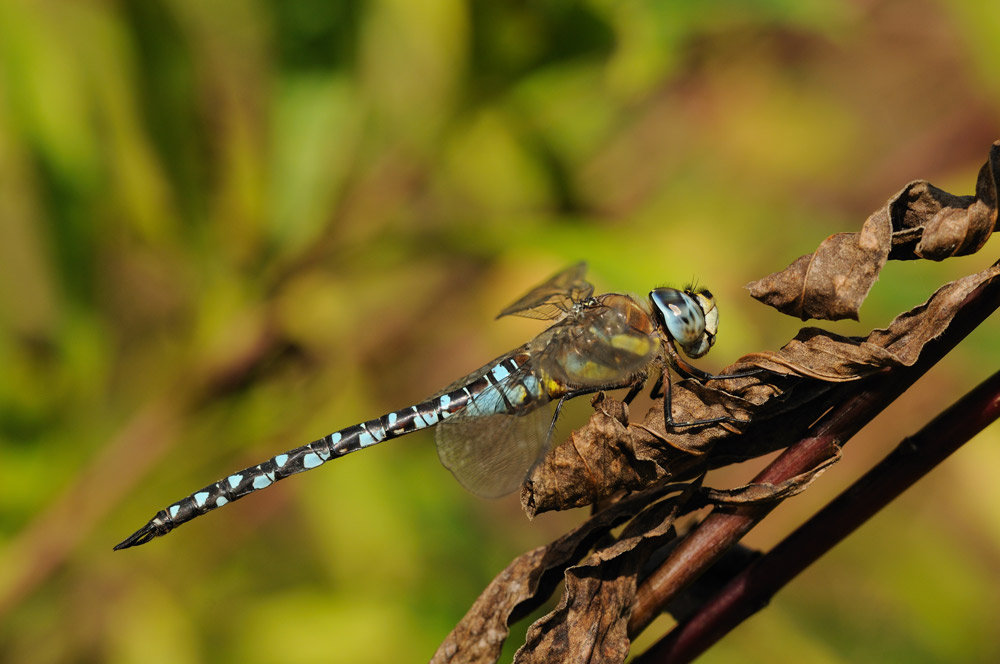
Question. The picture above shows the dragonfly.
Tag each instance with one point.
(495, 424)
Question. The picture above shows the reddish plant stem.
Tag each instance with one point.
(752, 588)
(724, 528)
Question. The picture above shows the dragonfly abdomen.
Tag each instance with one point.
(263, 475)
(511, 396)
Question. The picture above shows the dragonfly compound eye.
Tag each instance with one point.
(691, 319)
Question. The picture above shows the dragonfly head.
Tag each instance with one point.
(689, 316)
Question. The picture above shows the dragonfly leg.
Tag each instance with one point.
(633, 391)
(738, 374)
(555, 416)
(688, 370)
(673, 360)
(668, 417)
(657, 390)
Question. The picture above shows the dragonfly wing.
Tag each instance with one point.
(599, 348)
(492, 443)
(555, 298)
(490, 456)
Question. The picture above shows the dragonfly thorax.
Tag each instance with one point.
(690, 318)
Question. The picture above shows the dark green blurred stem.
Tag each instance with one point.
(858, 405)
(752, 588)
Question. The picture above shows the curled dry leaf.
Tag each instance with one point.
(769, 493)
(480, 635)
(797, 397)
(822, 355)
(530, 579)
(590, 623)
(910, 331)
(921, 221)
(609, 455)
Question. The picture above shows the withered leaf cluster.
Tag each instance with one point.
(644, 476)
(921, 221)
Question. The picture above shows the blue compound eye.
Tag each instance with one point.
(691, 319)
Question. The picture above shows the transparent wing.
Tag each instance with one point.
(491, 452)
(554, 298)
(596, 349)
(491, 456)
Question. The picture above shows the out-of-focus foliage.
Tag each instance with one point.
(228, 228)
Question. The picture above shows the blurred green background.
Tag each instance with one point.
(229, 228)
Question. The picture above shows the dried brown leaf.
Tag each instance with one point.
(760, 492)
(529, 580)
(480, 635)
(910, 331)
(799, 400)
(590, 624)
(822, 355)
(921, 221)
(819, 354)
(609, 455)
